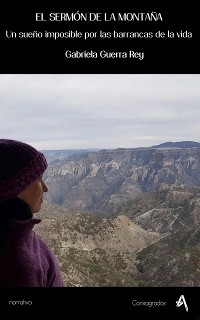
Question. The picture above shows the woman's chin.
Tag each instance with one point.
(36, 210)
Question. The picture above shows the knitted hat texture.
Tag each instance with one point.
(20, 165)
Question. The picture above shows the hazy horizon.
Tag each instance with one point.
(94, 149)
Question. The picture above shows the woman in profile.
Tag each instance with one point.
(25, 260)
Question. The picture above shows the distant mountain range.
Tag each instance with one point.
(103, 180)
(180, 144)
(53, 155)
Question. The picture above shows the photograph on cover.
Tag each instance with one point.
(121, 187)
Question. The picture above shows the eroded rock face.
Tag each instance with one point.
(169, 208)
(93, 251)
(173, 212)
(103, 180)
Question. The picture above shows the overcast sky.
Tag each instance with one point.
(65, 111)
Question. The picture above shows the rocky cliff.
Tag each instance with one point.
(93, 251)
(174, 213)
(101, 181)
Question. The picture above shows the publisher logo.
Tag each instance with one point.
(181, 302)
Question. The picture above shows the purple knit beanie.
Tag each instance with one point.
(20, 165)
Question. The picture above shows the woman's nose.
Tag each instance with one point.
(45, 189)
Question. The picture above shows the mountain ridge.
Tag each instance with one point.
(101, 181)
(178, 144)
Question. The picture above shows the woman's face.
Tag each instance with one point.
(33, 194)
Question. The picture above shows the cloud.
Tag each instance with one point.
(61, 111)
